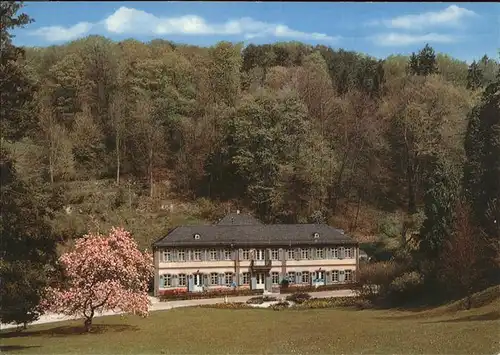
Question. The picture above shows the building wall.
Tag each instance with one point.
(237, 266)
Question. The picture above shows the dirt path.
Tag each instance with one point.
(156, 305)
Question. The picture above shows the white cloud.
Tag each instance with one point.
(132, 21)
(59, 33)
(452, 16)
(401, 39)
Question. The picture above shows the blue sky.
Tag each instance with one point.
(462, 30)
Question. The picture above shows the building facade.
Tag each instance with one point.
(241, 252)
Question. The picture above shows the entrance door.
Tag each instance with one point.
(319, 278)
(260, 281)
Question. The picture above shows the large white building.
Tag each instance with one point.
(241, 252)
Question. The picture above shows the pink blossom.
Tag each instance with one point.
(104, 272)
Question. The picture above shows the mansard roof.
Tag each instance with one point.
(245, 230)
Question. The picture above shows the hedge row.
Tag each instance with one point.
(178, 295)
(309, 288)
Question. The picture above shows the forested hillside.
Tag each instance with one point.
(136, 133)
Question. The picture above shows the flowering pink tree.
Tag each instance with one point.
(102, 273)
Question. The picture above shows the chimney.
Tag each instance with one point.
(237, 211)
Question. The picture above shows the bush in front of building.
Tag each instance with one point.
(334, 302)
(182, 294)
(298, 298)
(309, 288)
(261, 299)
(229, 305)
(280, 306)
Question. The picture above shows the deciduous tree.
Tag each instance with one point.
(102, 272)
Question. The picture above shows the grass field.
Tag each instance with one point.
(263, 331)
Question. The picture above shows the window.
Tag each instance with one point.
(229, 278)
(181, 255)
(245, 254)
(227, 254)
(304, 254)
(335, 253)
(246, 278)
(275, 254)
(214, 278)
(348, 275)
(275, 278)
(291, 276)
(196, 236)
(197, 255)
(167, 280)
(305, 277)
(182, 279)
(335, 276)
(348, 253)
(290, 254)
(167, 256)
(319, 276)
(320, 253)
(213, 254)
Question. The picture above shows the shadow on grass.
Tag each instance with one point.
(490, 316)
(67, 330)
(7, 348)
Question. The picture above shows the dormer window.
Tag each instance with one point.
(196, 236)
(316, 235)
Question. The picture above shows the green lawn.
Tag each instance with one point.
(262, 331)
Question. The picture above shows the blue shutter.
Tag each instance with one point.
(203, 255)
(205, 280)
(174, 255)
(328, 253)
(162, 281)
(221, 254)
(312, 253)
(190, 283)
(240, 279)
(341, 253)
(341, 276)
(297, 254)
(298, 277)
(328, 277)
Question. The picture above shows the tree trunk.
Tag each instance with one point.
(151, 172)
(88, 324)
(117, 159)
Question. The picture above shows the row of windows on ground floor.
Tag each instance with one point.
(229, 278)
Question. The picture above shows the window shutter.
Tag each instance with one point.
(341, 276)
(175, 281)
(189, 255)
(341, 253)
(297, 254)
(162, 281)
(221, 279)
(328, 277)
(203, 255)
(240, 254)
(281, 254)
(240, 279)
(312, 253)
(174, 255)
(328, 253)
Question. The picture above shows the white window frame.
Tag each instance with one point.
(320, 253)
(200, 279)
(275, 254)
(290, 254)
(294, 273)
(334, 252)
(306, 277)
(348, 275)
(348, 253)
(335, 275)
(228, 278)
(182, 280)
(227, 254)
(197, 255)
(275, 278)
(179, 253)
(213, 254)
(245, 278)
(212, 275)
(167, 280)
(245, 254)
(305, 252)
(167, 256)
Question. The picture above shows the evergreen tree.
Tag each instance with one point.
(442, 187)
(474, 76)
(27, 248)
(424, 63)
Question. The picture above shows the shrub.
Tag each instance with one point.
(229, 305)
(280, 305)
(334, 302)
(309, 288)
(299, 297)
(405, 286)
(374, 279)
(261, 299)
(182, 294)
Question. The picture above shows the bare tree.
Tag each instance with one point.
(461, 259)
